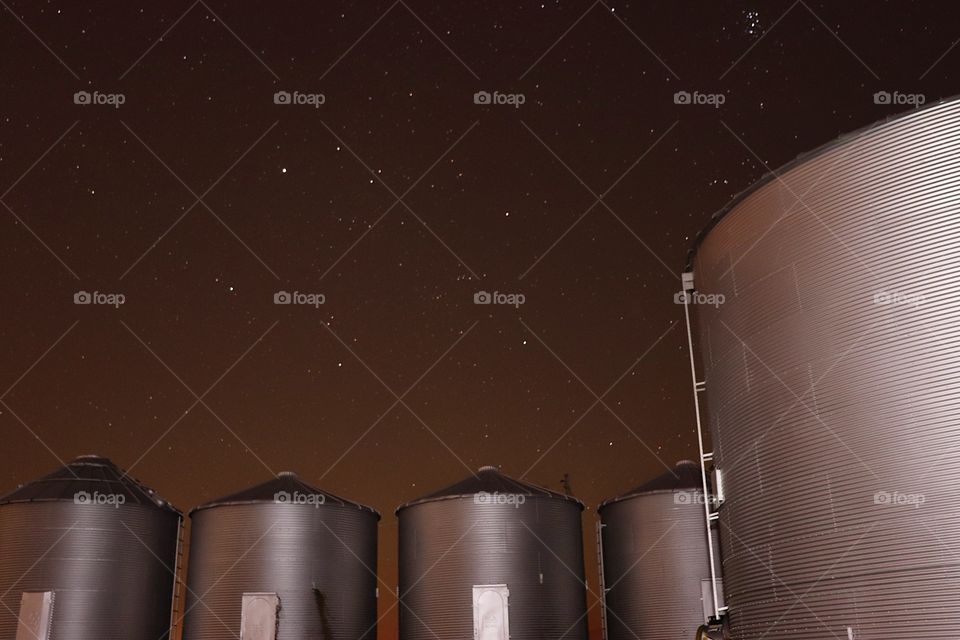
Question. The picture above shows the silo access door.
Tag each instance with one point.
(36, 609)
(258, 617)
(491, 620)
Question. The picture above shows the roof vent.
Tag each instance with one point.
(487, 468)
(287, 474)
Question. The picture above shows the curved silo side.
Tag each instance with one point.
(831, 369)
(95, 552)
(303, 558)
(492, 558)
(655, 558)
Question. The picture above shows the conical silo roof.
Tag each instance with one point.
(684, 476)
(286, 483)
(87, 474)
(489, 479)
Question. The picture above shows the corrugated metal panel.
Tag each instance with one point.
(535, 548)
(111, 568)
(320, 559)
(655, 559)
(105, 544)
(836, 422)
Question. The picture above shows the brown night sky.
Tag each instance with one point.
(398, 198)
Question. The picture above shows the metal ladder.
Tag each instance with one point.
(603, 582)
(710, 515)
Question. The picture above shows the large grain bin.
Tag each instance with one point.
(832, 363)
(492, 558)
(655, 558)
(87, 553)
(283, 558)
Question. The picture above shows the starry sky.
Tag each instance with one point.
(148, 154)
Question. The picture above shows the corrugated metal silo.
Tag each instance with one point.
(282, 559)
(492, 558)
(655, 558)
(88, 553)
(831, 367)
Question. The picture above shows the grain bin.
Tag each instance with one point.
(654, 558)
(492, 558)
(88, 553)
(828, 323)
(282, 559)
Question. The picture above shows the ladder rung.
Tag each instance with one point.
(707, 457)
(714, 516)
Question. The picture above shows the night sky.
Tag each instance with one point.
(398, 199)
